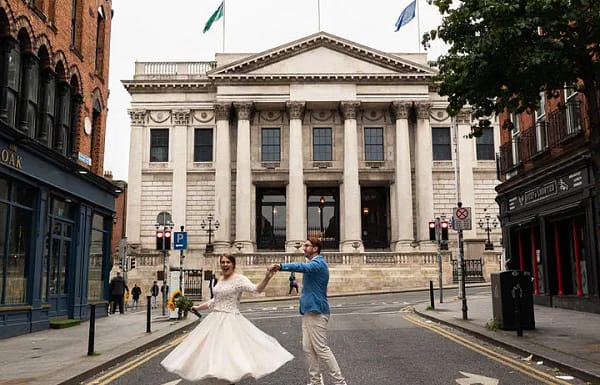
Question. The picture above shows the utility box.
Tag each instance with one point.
(512, 290)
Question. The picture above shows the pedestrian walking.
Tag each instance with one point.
(293, 283)
(314, 308)
(117, 289)
(154, 290)
(136, 292)
(226, 347)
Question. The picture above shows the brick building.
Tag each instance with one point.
(56, 209)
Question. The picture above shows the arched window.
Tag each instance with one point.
(63, 117)
(13, 84)
(100, 32)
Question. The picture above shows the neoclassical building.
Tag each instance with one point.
(320, 137)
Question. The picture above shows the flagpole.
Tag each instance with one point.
(224, 26)
(418, 27)
(319, 14)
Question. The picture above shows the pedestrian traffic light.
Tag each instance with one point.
(432, 231)
(444, 226)
(159, 240)
(132, 263)
(167, 240)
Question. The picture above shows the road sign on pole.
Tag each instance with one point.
(462, 218)
(180, 240)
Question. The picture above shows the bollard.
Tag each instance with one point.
(148, 313)
(92, 330)
(431, 295)
(517, 294)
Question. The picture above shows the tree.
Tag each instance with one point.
(503, 53)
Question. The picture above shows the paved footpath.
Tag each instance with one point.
(567, 339)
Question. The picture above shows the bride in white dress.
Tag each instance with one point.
(225, 347)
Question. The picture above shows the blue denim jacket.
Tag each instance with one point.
(314, 284)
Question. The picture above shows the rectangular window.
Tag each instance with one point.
(440, 139)
(159, 145)
(374, 144)
(485, 145)
(100, 32)
(573, 110)
(14, 85)
(515, 138)
(203, 145)
(540, 124)
(322, 144)
(76, 12)
(97, 251)
(270, 145)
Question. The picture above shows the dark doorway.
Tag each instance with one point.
(323, 216)
(270, 218)
(375, 214)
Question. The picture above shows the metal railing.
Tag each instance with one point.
(473, 270)
(173, 70)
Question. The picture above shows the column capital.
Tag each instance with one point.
(464, 116)
(181, 117)
(296, 109)
(401, 109)
(349, 108)
(423, 110)
(137, 117)
(244, 110)
(222, 111)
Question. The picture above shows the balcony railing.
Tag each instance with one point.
(560, 125)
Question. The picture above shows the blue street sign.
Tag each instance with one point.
(180, 240)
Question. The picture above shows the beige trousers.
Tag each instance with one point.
(316, 349)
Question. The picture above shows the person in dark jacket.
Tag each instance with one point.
(154, 292)
(117, 289)
(136, 292)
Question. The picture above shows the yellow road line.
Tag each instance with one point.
(507, 361)
(120, 370)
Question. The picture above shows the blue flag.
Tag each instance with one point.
(407, 15)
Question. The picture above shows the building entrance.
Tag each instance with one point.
(323, 216)
(375, 213)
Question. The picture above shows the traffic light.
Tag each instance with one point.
(132, 263)
(120, 264)
(444, 226)
(432, 231)
(167, 237)
(159, 240)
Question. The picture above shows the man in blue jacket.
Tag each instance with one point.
(314, 308)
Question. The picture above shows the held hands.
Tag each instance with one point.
(274, 267)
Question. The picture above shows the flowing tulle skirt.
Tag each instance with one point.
(228, 347)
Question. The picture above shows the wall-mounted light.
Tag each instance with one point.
(365, 211)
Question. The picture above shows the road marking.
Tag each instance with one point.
(507, 361)
(473, 379)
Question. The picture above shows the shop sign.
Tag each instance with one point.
(10, 157)
(548, 189)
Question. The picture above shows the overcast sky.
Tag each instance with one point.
(153, 30)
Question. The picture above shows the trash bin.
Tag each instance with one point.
(512, 289)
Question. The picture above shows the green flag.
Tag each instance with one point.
(214, 17)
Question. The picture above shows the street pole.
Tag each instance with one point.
(164, 304)
(439, 257)
(181, 267)
(461, 275)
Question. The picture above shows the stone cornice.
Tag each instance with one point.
(296, 109)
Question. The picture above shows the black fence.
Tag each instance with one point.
(473, 270)
(192, 282)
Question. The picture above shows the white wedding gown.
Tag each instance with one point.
(225, 345)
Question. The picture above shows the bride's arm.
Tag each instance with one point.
(202, 306)
(263, 284)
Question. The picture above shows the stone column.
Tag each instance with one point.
(351, 229)
(402, 225)
(181, 120)
(466, 159)
(222, 209)
(296, 190)
(134, 188)
(423, 173)
(243, 179)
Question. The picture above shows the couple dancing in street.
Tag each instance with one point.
(226, 348)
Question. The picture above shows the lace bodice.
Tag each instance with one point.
(228, 292)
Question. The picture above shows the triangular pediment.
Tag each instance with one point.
(322, 55)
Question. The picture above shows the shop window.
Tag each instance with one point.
(374, 144)
(440, 138)
(99, 245)
(203, 145)
(270, 145)
(485, 144)
(322, 144)
(159, 145)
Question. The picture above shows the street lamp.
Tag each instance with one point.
(209, 229)
(321, 205)
(487, 224)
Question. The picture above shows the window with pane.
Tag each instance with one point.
(540, 123)
(270, 144)
(100, 32)
(485, 144)
(76, 16)
(322, 144)
(440, 138)
(373, 143)
(515, 138)
(14, 83)
(16, 220)
(98, 247)
(271, 218)
(32, 90)
(203, 145)
(573, 110)
(59, 233)
(159, 145)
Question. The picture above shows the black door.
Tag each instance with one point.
(375, 214)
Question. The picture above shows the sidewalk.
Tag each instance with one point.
(59, 356)
(567, 339)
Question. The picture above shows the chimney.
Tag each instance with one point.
(108, 175)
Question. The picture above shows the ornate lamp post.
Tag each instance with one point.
(487, 224)
(321, 205)
(209, 229)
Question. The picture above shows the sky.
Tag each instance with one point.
(153, 30)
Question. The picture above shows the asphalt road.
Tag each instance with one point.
(377, 340)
